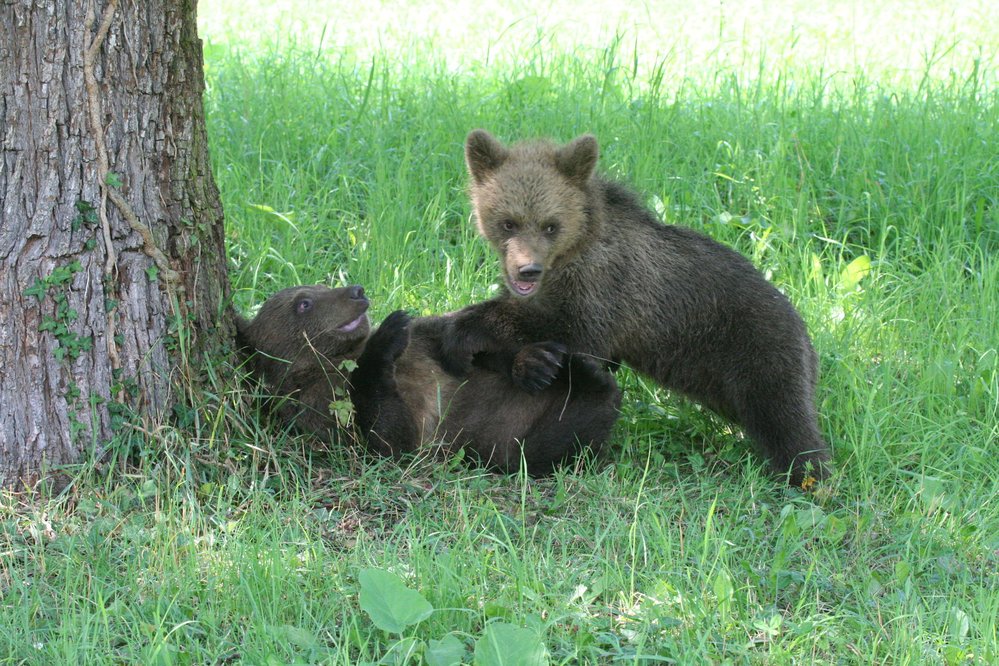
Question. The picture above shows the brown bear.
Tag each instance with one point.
(588, 265)
(403, 400)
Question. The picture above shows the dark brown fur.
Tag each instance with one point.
(402, 397)
(586, 264)
(299, 350)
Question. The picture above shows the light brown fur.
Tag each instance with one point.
(587, 265)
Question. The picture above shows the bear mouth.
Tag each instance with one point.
(521, 288)
(353, 324)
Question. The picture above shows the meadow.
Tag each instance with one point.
(851, 151)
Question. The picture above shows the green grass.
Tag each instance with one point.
(809, 144)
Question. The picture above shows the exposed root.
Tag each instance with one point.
(170, 277)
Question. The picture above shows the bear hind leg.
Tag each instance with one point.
(786, 429)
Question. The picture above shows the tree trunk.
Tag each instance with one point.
(112, 266)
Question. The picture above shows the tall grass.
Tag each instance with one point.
(228, 539)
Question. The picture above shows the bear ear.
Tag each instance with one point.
(577, 159)
(483, 154)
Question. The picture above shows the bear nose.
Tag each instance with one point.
(356, 292)
(530, 272)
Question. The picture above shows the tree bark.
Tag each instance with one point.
(112, 266)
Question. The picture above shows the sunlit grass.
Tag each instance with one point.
(849, 150)
(893, 41)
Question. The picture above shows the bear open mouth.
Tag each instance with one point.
(352, 324)
(523, 288)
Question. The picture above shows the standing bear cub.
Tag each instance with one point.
(588, 265)
(404, 400)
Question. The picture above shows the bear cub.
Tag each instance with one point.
(586, 264)
(404, 400)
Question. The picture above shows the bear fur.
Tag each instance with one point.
(586, 264)
(404, 400)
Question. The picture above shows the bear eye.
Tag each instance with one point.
(551, 229)
(509, 225)
(303, 306)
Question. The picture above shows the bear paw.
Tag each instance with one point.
(536, 365)
(587, 371)
(392, 336)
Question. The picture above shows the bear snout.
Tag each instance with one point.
(356, 293)
(529, 272)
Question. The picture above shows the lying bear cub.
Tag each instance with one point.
(402, 397)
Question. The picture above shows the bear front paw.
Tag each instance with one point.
(536, 365)
(392, 337)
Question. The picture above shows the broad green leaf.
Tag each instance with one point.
(959, 624)
(770, 626)
(836, 528)
(289, 633)
(448, 651)
(389, 603)
(932, 492)
(494, 609)
(505, 644)
(723, 588)
(810, 518)
(854, 272)
(403, 652)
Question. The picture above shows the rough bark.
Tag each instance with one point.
(110, 285)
